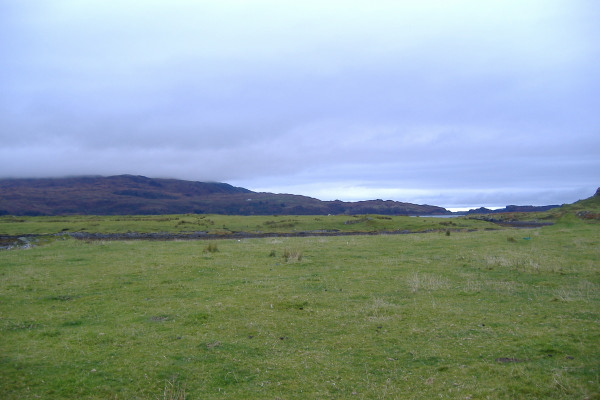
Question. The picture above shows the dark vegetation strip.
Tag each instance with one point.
(228, 235)
(518, 224)
(25, 241)
(7, 242)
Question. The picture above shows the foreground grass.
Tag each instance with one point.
(489, 314)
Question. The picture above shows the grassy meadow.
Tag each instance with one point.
(461, 312)
(224, 225)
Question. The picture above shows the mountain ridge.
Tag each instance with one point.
(135, 194)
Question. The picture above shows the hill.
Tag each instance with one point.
(586, 209)
(131, 195)
(512, 209)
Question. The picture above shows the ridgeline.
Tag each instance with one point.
(139, 195)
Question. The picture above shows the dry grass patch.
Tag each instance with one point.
(292, 255)
(425, 281)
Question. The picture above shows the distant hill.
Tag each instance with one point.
(131, 195)
(512, 209)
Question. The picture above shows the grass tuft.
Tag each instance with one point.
(292, 255)
(173, 391)
(211, 248)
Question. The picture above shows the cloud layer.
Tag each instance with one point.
(454, 103)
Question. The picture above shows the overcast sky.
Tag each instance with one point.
(456, 103)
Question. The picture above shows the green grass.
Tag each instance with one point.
(226, 224)
(470, 315)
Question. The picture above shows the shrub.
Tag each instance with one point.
(211, 248)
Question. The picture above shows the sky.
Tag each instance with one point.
(454, 103)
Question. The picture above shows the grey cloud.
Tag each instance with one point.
(390, 97)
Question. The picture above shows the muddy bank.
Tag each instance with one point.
(26, 241)
(202, 235)
(12, 242)
(17, 242)
(228, 235)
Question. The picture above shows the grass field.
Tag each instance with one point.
(227, 224)
(486, 314)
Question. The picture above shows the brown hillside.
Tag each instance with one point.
(128, 194)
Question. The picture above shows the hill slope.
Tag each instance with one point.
(128, 194)
(586, 209)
